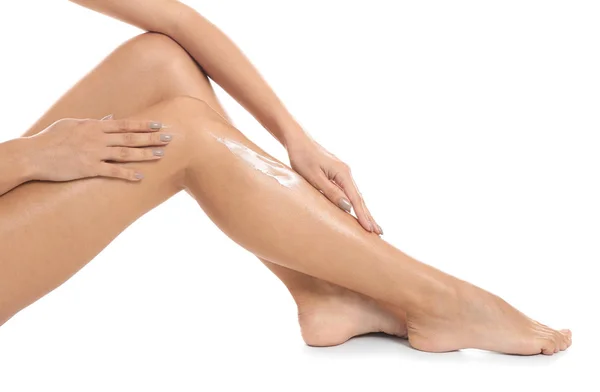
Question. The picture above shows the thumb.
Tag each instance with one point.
(334, 193)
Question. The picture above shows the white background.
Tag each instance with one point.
(472, 129)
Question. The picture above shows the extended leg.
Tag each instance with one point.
(151, 68)
(271, 211)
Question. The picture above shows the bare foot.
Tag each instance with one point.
(470, 317)
(330, 315)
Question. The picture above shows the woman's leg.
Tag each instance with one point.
(280, 218)
(151, 68)
(290, 224)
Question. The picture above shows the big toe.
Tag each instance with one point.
(566, 336)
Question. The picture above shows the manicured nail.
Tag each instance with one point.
(139, 175)
(155, 125)
(345, 205)
(159, 152)
(165, 137)
(109, 117)
(380, 229)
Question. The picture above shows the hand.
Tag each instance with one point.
(71, 149)
(331, 176)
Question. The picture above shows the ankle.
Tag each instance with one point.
(437, 297)
(315, 290)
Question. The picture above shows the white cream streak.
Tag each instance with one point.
(271, 168)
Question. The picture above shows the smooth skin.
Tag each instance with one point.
(437, 306)
(220, 58)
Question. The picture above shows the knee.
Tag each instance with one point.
(185, 117)
(193, 124)
(160, 55)
(189, 118)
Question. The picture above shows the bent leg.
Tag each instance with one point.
(152, 67)
(143, 71)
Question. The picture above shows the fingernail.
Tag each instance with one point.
(165, 137)
(345, 205)
(139, 175)
(109, 117)
(159, 152)
(380, 230)
(155, 125)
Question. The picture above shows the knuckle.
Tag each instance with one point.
(90, 138)
(90, 157)
(92, 170)
(85, 123)
(114, 171)
(79, 125)
(65, 122)
(128, 139)
(94, 134)
(123, 152)
(153, 138)
(124, 125)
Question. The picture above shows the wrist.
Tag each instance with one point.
(292, 135)
(21, 154)
(284, 127)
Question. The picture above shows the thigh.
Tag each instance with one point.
(49, 230)
(141, 72)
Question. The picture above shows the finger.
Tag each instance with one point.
(115, 171)
(346, 182)
(333, 193)
(130, 139)
(127, 154)
(116, 126)
(376, 227)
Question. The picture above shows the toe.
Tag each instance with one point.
(559, 341)
(549, 345)
(548, 350)
(566, 339)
